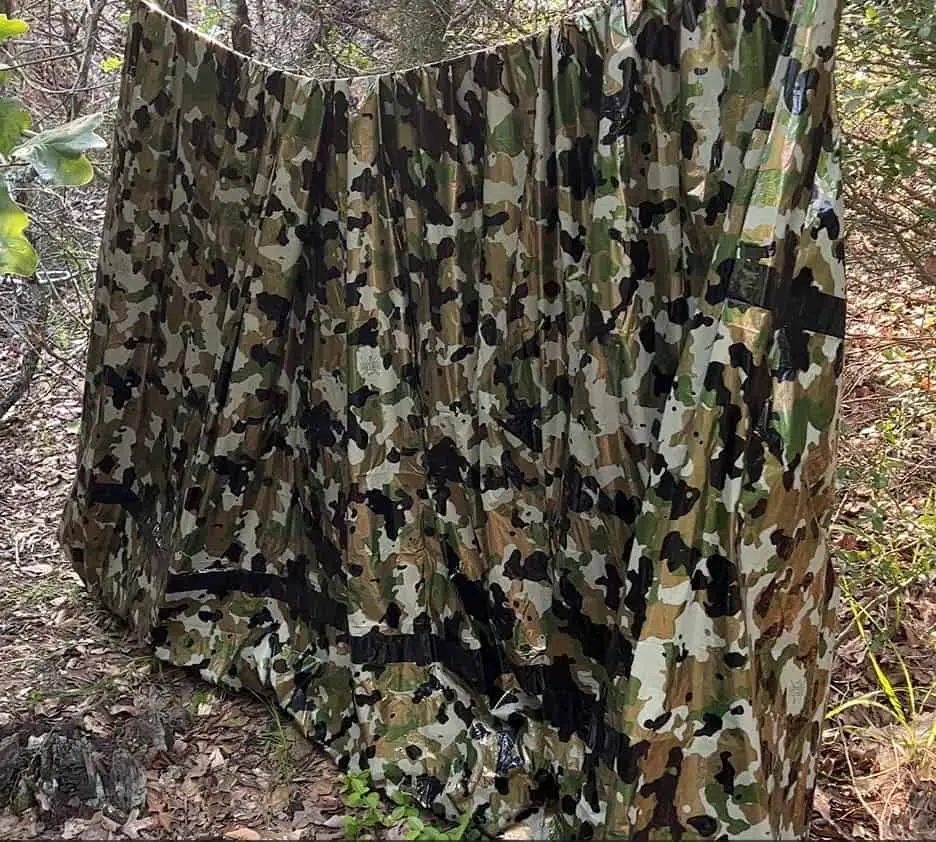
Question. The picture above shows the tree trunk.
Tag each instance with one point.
(30, 315)
(240, 30)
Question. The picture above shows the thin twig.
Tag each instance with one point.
(69, 91)
(913, 580)
(81, 80)
(44, 60)
(857, 790)
(505, 19)
(42, 347)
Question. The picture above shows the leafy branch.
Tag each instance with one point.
(370, 813)
(56, 156)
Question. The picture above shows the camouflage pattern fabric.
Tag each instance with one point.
(488, 421)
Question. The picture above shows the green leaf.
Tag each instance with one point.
(14, 120)
(59, 169)
(359, 784)
(57, 155)
(111, 63)
(402, 798)
(352, 827)
(11, 27)
(17, 256)
(464, 823)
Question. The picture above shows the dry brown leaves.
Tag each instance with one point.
(877, 770)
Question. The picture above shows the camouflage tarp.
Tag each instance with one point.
(488, 423)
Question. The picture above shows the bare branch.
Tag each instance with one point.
(81, 80)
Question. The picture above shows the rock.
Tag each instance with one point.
(69, 773)
(64, 775)
(126, 781)
(13, 760)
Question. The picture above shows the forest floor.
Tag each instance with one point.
(229, 765)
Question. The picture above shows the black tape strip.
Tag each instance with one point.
(114, 494)
(754, 282)
(377, 649)
(749, 281)
(566, 706)
(315, 607)
(818, 311)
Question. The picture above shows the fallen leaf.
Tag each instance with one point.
(930, 264)
(242, 833)
(278, 797)
(333, 821)
(133, 826)
(73, 828)
(323, 787)
(216, 760)
(116, 710)
(93, 725)
(200, 767)
(822, 804)
(40, 567)
(305, 817)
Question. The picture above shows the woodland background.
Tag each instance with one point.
(200, 762)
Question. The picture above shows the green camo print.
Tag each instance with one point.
(488, 423)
